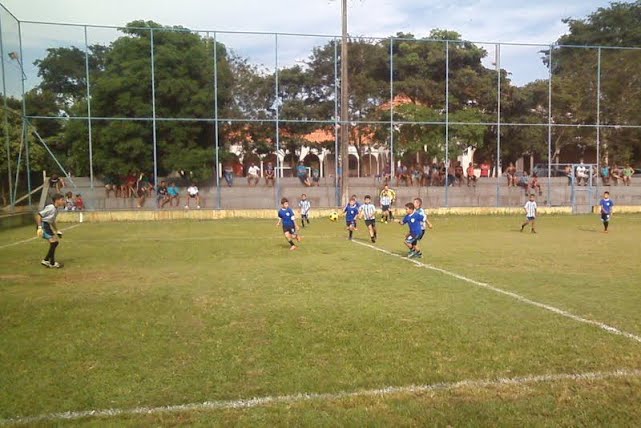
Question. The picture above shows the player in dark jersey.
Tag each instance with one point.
(287, 218)
(606, 210)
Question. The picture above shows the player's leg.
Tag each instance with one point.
(524, 224)
(289, 238)
(606, 222)
(532, 225)
(350, 228)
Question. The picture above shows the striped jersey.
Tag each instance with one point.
(387, 197)
(530, 209)
(305, 206)
(421, 212)
(369, 211)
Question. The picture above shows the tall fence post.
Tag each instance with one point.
(497, 54)
(550, 126)
(5, 118)
(216, 129)
(598, 123)
(88, 109)
(337, 188)
(153, 105)
(277, 110)
(24, 114)
(447, 117)
(392, 166)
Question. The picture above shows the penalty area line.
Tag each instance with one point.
(24, 241)
(522, 299)
(307, 397)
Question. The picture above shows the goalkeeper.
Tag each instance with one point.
(47, 229)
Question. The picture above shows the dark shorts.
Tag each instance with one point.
(47, 232)
(421, 235)
(289, 229)
(385, 207)
(371, 222)
(350, 223)
(531, 218)
(192, 196)
(605, 217)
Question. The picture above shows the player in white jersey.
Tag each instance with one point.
(305, 206)
(530, 213)
(47, 229)
(367, 211)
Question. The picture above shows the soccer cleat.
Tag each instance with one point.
(45, 263)
(55, 265)
(522, 227)
(373, 239)
(293, 247)
(533, 231)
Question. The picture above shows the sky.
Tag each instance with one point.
(490, 21)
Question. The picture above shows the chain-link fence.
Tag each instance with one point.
(251, 117)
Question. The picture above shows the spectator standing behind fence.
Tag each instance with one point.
(628, 172)
(228, 173)
(524, 182)
(269, 174)
(605, 174)
(301, 173)
(458, 173)
(56, 183)
(616, 174)
(510, 172)
(253, 174)
(471, 175)
(535, 186)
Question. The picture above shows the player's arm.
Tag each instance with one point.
(39, 231)
(427, 222)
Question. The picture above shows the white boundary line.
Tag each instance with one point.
(24, 241)
(518, 297)
(305, 397)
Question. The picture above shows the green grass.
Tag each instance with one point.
(157, 314)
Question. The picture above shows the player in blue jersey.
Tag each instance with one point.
(413, 219)
(418, 205)
(606, 210)
(351, 212)
(287, 218)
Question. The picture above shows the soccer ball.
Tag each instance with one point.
(333, 216)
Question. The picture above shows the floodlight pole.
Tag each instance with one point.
(6, 120)
(497, 53)
(344, 135)
(598, 119)
(89, 108)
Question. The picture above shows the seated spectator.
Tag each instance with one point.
(485, 169)
(510, 173)
(458, 173)
(162, 195)
(616, 174)
(269, 174)
(524, 182)
(174, 194)
(70, 204)
(471, 175)
(301, 173)
(56, 183)
(315, 177)
(534, 185)
(582, 174)
(228, 173)
(79, 202)
(192, 193)
(131, 184)
(605, 175)
(111, 185)
(628, 172)
(253, 174)
(436, 175)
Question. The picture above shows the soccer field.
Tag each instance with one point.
(218, 323)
